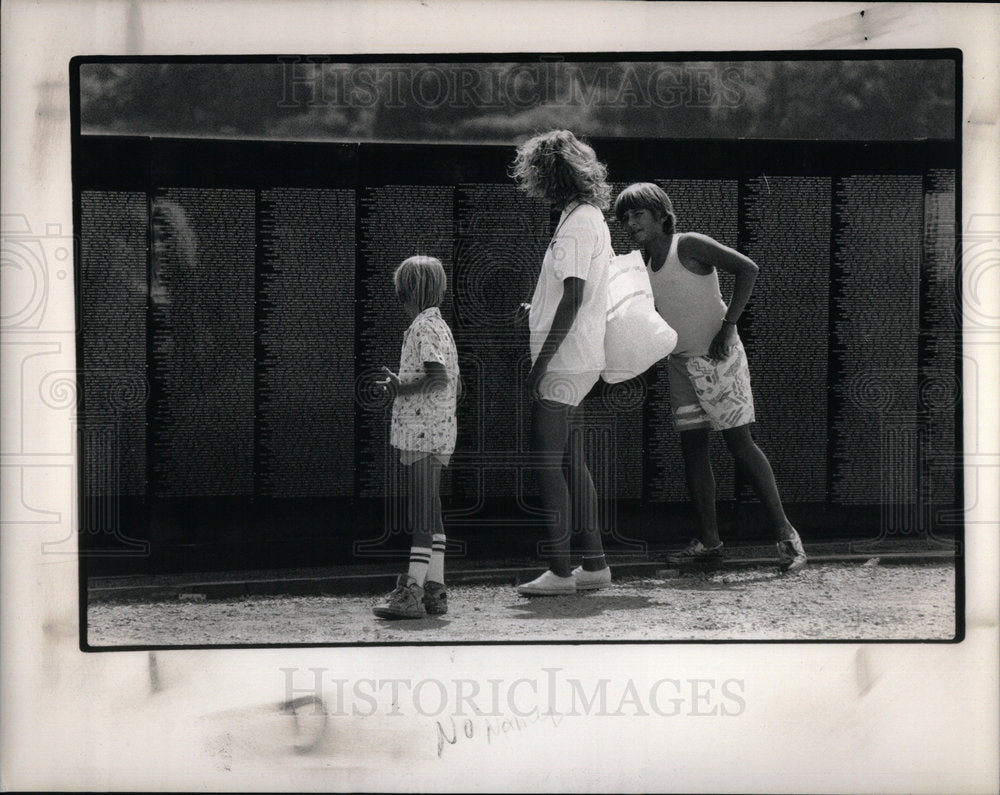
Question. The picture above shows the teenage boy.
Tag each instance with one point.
(707, 371)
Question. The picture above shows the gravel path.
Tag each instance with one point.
(823, 602)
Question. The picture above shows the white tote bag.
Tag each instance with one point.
(635, 337)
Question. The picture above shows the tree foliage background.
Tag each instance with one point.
(500, 102)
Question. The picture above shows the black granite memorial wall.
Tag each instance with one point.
(236, 305)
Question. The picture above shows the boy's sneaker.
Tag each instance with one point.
(407, 601)
(695, 550)
(548, 584)
(592, 580)
(435, 598)
(793, 556)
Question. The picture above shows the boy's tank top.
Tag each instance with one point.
(690, 303)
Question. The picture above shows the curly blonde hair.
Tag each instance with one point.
(561, 168)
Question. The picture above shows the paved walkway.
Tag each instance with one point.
(380, 577)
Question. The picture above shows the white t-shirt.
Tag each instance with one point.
(581, 248)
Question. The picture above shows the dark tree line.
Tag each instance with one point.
(500, 102)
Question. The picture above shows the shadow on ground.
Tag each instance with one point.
(574, 606)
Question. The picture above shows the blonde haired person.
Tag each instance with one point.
(566, 318)
(424, 430)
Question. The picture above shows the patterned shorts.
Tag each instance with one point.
(711, 393)
(408, 457)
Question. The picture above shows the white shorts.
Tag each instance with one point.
(567, 388)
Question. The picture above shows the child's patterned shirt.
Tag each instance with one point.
(425, 422)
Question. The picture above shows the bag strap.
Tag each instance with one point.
(564, 220)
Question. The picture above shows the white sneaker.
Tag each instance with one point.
(548, 584)
(592, 580)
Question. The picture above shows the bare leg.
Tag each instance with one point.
(700, 483)
(758, 472)
(549, 436)
(584, 500)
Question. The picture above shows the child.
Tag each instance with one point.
(708, 374)
(425, 393)
(566, 318)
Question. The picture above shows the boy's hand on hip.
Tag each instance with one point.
(724, 340)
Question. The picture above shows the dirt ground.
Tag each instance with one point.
(833, 601)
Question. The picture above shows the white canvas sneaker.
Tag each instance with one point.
(592, 580)
(548, 584)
